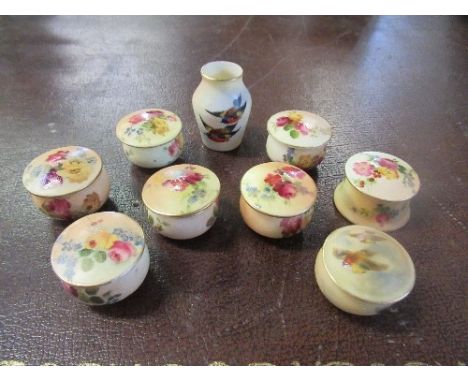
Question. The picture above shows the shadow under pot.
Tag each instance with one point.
(277, 200)
(377, 190)
(101, 258)
(298, 138)
(363, 271)
(67, 182)
(151, 138)
(182, 200)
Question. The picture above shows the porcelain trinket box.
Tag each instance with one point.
(151, 137)
(67, 182)
(362, 270)
(182, 200)
(101, 258)
(298, 138)
(277, 199)
(377, 190)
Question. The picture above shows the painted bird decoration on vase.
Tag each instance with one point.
(229, 120)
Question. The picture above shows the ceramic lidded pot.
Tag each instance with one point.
(222, 105)
(151, 137)
(362, 270)
(182, 200)
(67, 182)
(101, 258)
(277, 199)
(298, 138)
(377, 190)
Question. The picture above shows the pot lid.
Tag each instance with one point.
(148, 127)
(368, 264)
(181, 190)
(278, 189)
(299, 128)
(382, 176)
(62, 171)
(97, 248)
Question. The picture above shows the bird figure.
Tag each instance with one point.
(359, 261)
(233, 114)
(222, 134)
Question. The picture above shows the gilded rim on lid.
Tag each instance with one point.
(382, 176)
(97, 244)
(363, 262)
(278, 189)
(148, 128)
(299, 129)
(62, 171)
(185, 190)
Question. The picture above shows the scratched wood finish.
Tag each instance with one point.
(394, 84)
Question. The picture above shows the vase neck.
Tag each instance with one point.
(221, 72)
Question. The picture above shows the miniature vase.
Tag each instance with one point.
(222, 105)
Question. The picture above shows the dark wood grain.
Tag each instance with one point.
(394, 84)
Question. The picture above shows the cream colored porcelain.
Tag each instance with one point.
(101, 258)
(362, 270)
(222, 104)
(67, 182)
(277, 200)
(377, 190)
(182, 200)
(151, 137)
(298, 138)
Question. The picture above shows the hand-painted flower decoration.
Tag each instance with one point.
(121, 251)
(186, 178)
(55, 157)
(59, 208)
(51, 179)
(101, 240)
(363, 168)
(91, 202)
(175, 147)
(70, 289)
(75, 170)
(160, 126)
(290, 226)
(281, 181)
(388, 163)
(293, 123)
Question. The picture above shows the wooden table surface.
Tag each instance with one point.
(392, 84)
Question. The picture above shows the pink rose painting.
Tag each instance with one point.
(173, 148)
(55, 157)
(293, 172)
(282, 185)
(137, 118)
(388, 163)
(290, 226)
(302, 128)
(180, 183)
(382, 218)
(286, 190)
(363, 168)
(58, 207)
(121, 251)
(282, 121)
(155, 113)
(69, 289)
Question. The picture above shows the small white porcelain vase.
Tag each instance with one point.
(222, 105)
